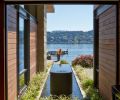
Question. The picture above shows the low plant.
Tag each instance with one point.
(118, 95)
(49, 64)
(61, 97)
(87, 84)
(91, 92)
(85, 61)
(96, 96)
(34, 87)
(63, 62)
(81, 73)
(21, 81)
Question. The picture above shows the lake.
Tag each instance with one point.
(74, 50)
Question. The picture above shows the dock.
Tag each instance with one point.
(55, 52)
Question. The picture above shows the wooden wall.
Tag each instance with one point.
(33, 30)
(11, 53)
(107, 52)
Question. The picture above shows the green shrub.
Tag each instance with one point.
(91, 93)
(96, 96)
(87, 84)
(35, 84)
(63, 62)
(34, 87)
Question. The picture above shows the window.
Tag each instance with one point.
(23, 50)
(22, 70)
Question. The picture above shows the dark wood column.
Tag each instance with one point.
(2, 49)
(96, 50)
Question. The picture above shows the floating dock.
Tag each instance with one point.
(55, 52)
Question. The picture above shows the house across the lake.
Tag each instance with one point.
(25, 46)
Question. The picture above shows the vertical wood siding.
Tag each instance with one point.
(33, 30)
(11, 52)
(107, 52)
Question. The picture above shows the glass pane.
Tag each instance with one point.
(21, 81)
(21, 44)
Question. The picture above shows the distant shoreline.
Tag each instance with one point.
(70, 37)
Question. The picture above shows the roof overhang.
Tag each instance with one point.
(50, 8)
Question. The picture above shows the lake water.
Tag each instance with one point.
(74, 50)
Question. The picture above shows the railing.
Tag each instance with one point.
(116, 92)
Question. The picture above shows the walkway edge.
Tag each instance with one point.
(42, 87)
(79, 83)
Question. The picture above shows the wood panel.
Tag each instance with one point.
(33, 30)
(12, 52)
(107, 52)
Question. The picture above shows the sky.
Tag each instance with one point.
(70, 18)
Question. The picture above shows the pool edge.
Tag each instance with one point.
(78, 82)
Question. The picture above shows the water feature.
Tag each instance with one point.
(74, 50)
(75, 89)
(61, 79)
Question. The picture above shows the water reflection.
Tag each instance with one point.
(75, 89)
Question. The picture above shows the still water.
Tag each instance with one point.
(74, 50)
